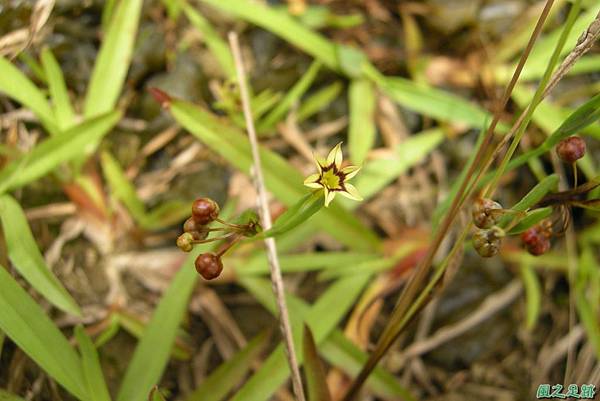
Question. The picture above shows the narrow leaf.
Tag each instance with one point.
(16, 85)
(92, 371)
(229, 374)
(49, 154)
(27, 259)
(296, 215)
(58, 90)
(31, 329)
(361, 132)
(314, 371)
(533, 295)
(113, 59)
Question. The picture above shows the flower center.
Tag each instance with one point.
(330, 180)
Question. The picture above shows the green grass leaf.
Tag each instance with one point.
(297, 214)
(292, 96)
(283, 25)
(314, 371)
(215, 43)
(63, 111)
(361, 132)
(434, 102)
(16, 85)
(27, 259)
(378, 173)
(31, 329)
(531, 219)
(283, 180)
(92, 371)
(6, 396)
(49, 154)
(229, 374)
(317, 101)
(113, 59)
(533, 295)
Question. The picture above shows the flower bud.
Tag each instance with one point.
(184, 242)
(209, 265)
(571, 149)
(487, 242)
(204, 211)
(483, 213)
(198, 231)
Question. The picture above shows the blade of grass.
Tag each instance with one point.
(92, 371)
(282, 24)
(31, 329)
(533, 295)
(292, 96)
(63, 111)
(113, 59)
(361, 131)
(229, 374)
(314, 371)
(16, 85)
(27, 259)
(283, 180)
(318, 101)
(61, 148)
(215, 43)
(6, 396)
(378, 173)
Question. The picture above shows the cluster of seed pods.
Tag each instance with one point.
(487, 240)
(196, 230)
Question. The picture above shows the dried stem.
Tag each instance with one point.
(276, 278)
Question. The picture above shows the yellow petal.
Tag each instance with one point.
(311, 179)
(329, 195)
(335, 156)
(350, 171)
(351, 192)
(320, 162)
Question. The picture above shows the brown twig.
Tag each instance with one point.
(276, 278)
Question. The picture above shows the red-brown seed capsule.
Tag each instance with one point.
(536, 240)
(487, 242)
(184, 242)
(483, 213)
(198, 231)
(204, 211)
(571, 149)
(209, 265)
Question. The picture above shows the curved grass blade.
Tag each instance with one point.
(533, 295)
(113, 59)
(215, 43)
(92, 371)
(291, 97)
(31, 329)
(229, 374)
(17, 86)
(362, 131)
(27, 259)
(531, 219)
(297, 214)
(313, 369)
(63, 111)
(49, 154)
(317, 101)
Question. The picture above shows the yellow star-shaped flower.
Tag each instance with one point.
(332, 178)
